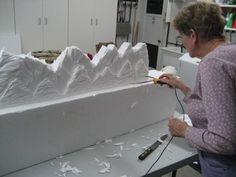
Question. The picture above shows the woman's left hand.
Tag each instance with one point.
(177, 127)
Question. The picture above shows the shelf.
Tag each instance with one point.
(227, 6)
(230, 29)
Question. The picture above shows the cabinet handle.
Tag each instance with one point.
(39, 21)
(153, 20)
(45, 21)
(96, 22)
(91, 21)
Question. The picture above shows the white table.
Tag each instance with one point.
(88, 160)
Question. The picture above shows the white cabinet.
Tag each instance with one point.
(91, 22)
(55, 24)
(105, 20)
(81, 24)
(7, 17)
(42, 24)
(29, 24)
(153, 29)
(154, 21)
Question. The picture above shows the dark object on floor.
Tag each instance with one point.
(48, 55)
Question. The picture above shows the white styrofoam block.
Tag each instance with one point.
(188, 68)
(30, 134)
(26, 80)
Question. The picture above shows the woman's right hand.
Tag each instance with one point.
(170, 79)
(175, 82)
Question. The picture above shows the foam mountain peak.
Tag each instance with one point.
(24, 79)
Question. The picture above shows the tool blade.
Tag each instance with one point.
(142, 82)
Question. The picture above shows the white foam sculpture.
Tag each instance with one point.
(47, 110)
(25, 79)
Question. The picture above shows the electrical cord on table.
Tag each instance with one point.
(176, 95)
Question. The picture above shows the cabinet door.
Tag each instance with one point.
(7, 17)
(29, 24)
(153, 29)
(105, 20)
(55, 14)
(81, 25)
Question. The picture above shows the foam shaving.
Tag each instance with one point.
(25, 79)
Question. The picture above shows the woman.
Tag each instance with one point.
(211, 105)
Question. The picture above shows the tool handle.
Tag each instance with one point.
(161, 82)
(145, 153)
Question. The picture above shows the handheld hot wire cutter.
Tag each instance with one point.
(155, 80)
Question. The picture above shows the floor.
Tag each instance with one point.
(186, 171)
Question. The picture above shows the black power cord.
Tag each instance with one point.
(176, 95)
(158, 157)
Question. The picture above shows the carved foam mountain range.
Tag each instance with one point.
(25, 79)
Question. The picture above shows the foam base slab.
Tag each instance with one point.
(34, 133)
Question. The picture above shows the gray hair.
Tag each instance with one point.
(204, 18)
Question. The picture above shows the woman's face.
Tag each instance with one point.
(189, 42)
